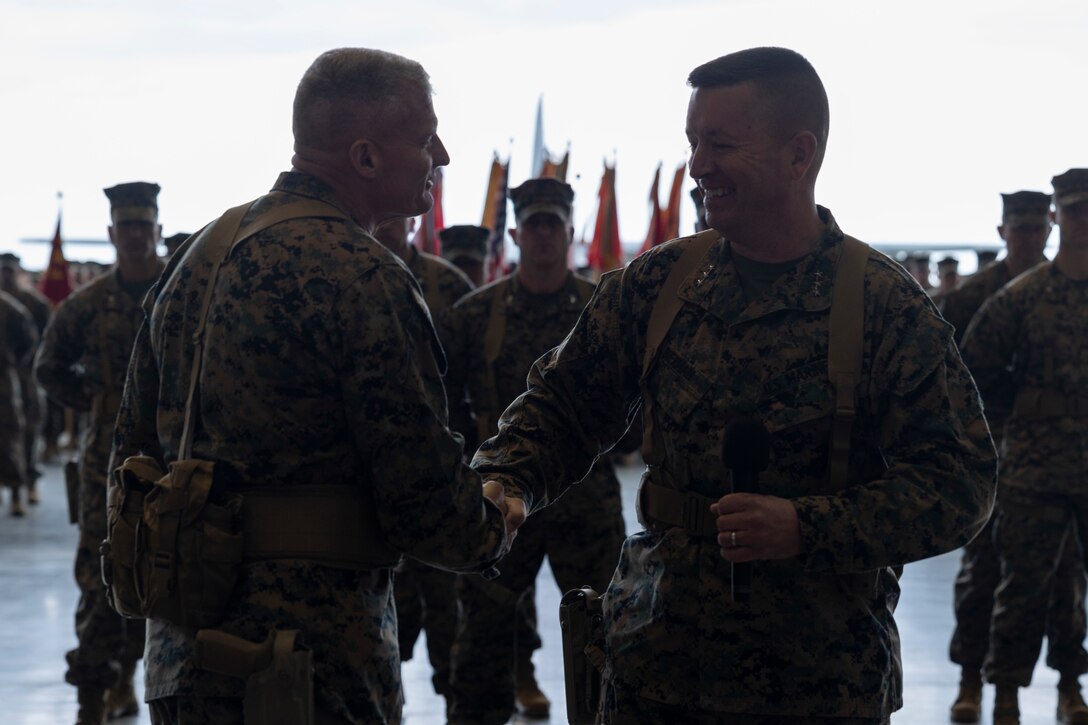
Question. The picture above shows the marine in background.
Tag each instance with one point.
(81, 364)
(491, 338)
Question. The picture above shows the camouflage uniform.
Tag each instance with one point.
(321, 367)
(581, 535)
(1031, 336)
(39, 310)
(425, 596)
(817, 638)
(17, 343)
(81, 364)
(980, 570)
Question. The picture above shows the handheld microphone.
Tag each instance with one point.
(746, 450)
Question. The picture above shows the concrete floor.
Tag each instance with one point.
(38, 597)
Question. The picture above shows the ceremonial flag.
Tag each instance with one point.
(426, 237)
(605, 251)
(671, 215)
(495, 217)
(656, 233)
(555, 169)
(56, 281)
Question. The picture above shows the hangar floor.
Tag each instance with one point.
(39, 597)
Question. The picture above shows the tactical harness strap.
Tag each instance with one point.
(661, 502)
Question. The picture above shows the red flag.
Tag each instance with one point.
(605, 251)
(426, 237)
(495, 218)
(656, 233)
(56, 280)
(671, 215)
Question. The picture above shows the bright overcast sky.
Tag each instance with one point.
(936, 107)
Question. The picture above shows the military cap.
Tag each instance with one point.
(1070, 187)
(550, 196)
(948, 262)
(464, 240)
(134, 201)
(9, 258)
(174, 241)
(1024, 206)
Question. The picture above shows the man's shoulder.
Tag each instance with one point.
(479, 300)
(448, 273)
(89, 294)
(1029, 286)
(31, 298)
(12, 304)
(648, 272)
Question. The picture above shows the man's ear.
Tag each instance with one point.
(364, 157)
(802, 150)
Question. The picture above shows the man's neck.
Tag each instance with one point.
(786, 238)
(322, 168)
(542, 281)
(1072, 261)
(144, 270)
(405, 251)
(1017, 267)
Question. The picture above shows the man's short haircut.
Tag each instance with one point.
(784, 77)
(347, 91)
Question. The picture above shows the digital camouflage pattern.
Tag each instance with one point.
(1031, 334)
(818, 637)
(17, 343)
(961, 304)
(980, 568)
(425, 596)
(581, 535)
(81, 365)
(321, 367)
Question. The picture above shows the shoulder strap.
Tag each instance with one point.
(493, 339)
(223, 235)
(665, 309)
(845, 339)
(668, 302)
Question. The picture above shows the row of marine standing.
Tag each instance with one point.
(1027, 347)
(1025, 228)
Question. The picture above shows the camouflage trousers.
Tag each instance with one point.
(979, 576)
(107, 641)
(622, 706)
(212, 711)
(426, 600)
(581, 549)
(1032, 532)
